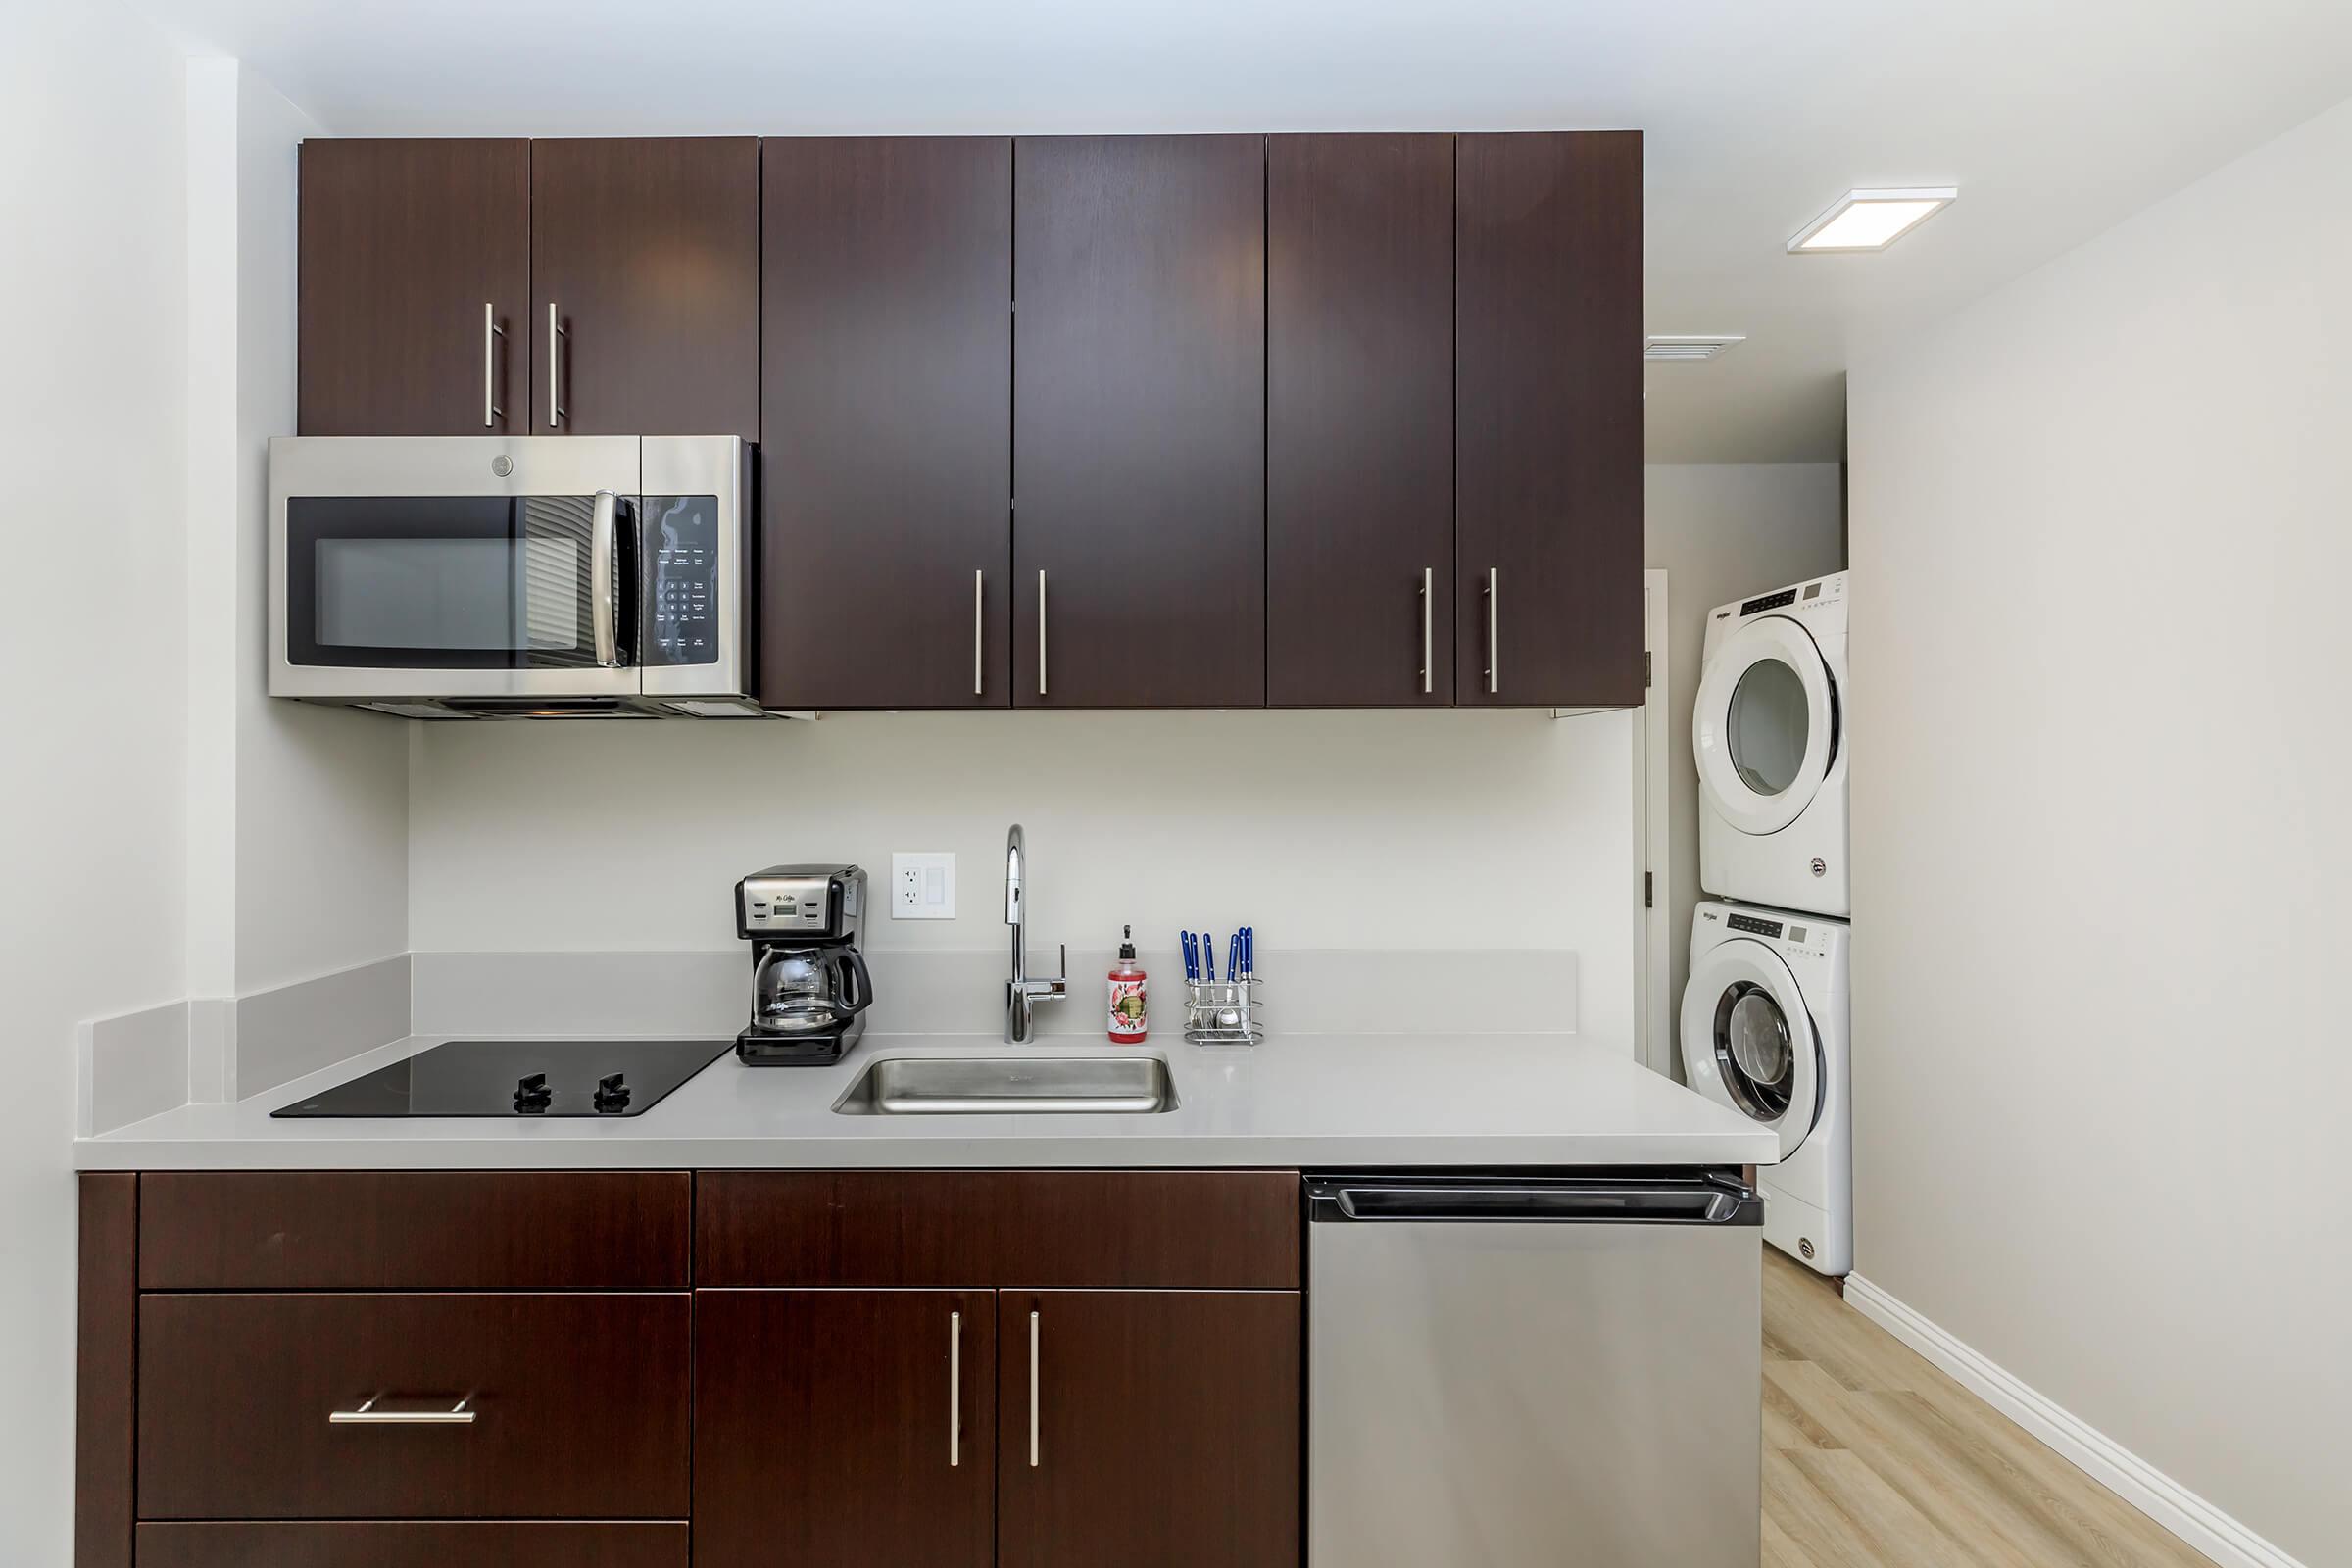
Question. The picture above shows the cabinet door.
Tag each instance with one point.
(1359, 420)
(856, 1429)
(886, 409)
(414, 262)
(647, 251)
(1547, 419)
(1151, 1429)
(1139, 441)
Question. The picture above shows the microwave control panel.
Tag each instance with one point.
(682, 599)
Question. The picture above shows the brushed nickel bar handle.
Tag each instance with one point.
(555, 368)
(955, 1389)
(1428, 579)
(604, 578)
(461, 1414)
(491, 333)
(976, 622)
(1041, 635)
(1494, 631)
(1033, 1336)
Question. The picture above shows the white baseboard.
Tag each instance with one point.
(2116, 1468)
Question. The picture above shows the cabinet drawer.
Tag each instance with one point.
(578, 1406)
(1184, 1228)
(377, 1544)
(413, 1230)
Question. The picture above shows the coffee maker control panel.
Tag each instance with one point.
(810, 903)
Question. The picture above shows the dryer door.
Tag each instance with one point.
(1748, 1040)
(1765, 725)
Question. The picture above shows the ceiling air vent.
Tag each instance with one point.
(1691, 345)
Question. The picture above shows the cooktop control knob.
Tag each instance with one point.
(612, 1095)
(531, 1093)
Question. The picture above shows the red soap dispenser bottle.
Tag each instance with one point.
(1127, 1015)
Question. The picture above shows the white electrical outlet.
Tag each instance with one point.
(922, 885)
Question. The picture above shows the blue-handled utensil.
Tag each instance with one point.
(1208, 958)
(1233, 956)
(1248, 953)
(1192, 965)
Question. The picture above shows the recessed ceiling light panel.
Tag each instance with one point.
(1686, 346)
(1871, 220)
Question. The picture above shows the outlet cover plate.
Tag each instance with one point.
(922, 885)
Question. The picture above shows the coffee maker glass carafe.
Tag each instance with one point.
(802, 988)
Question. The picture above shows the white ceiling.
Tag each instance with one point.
(2055, 118)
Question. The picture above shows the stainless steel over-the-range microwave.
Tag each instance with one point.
(513, 577)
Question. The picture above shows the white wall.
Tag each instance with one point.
(92, 759)
(2102, 845)
(1723, 531)
(1326, 830)
(301, 813)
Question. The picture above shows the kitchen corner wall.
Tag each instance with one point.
(93, 805)
(2101, 837)
(298, 815)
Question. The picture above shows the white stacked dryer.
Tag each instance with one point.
(1764, 1016)
(1764, 1032)
(1769, 730)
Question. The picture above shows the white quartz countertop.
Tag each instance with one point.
(1316, 1101)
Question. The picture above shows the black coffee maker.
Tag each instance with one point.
(809, 985)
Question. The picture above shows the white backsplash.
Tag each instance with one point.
(1312, 991)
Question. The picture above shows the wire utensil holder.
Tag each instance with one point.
(1222, 1012)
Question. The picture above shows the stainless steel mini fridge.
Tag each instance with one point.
(1531, 1372)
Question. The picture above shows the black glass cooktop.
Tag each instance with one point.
(520, 1078)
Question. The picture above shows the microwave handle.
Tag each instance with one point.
(604, 578)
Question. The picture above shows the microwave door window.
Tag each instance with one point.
(475, 582)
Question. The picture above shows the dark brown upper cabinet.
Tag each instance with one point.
(1359, 420)
(1139, 405)
(1547, 419)
(645, 287)
(886, 419)
(415, 268)
(1151, 1429)
(856, 1429)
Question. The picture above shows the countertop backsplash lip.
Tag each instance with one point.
(215, 1049)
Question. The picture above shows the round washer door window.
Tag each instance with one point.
(1767, 726)
(1753, 1051)
(1764, 725)
(1748, 1041)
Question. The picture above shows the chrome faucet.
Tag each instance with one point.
(1023, 992)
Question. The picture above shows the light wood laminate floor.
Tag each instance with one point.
(1873, 1458)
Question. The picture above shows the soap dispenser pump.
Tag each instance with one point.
(1127, 1010)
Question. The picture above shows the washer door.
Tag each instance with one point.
(1765, 725)
(1748, 1041)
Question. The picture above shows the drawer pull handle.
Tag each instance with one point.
(1033, 1336)
(955, 1389)
(461, 1414)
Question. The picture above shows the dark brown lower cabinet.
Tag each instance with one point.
(1150, 1429)
(853, 1429)
(412, 1544)
(578, 1406)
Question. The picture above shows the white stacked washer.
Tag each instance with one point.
(1764, 1032)
(1769, 729)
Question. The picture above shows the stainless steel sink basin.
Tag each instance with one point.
(962, 1085)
